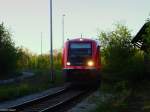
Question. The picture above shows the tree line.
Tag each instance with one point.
(118, 55)
(14, 59)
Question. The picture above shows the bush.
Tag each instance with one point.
(30, 61)
(120, 58)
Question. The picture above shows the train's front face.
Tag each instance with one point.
(80, 65)
(80, 54)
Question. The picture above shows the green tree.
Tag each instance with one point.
(8, 52)
(116, 46)
(119, 55)
(24, 58)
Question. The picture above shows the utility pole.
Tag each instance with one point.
(51, 43)
(63, 30)
(81, 35)
(41, 43)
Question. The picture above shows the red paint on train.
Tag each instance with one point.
(81, 60)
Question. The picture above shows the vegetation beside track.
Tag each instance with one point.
(123, 72)
(14, 60)
(123, 75)
(123, 97)
(37, 83)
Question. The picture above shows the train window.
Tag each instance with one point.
(80, 49)
(80, 45)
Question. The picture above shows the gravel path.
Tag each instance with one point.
(88, 104)
(23, 76)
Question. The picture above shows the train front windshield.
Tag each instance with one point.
(79, 53)
(80, 49)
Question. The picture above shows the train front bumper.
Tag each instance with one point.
(81, 75)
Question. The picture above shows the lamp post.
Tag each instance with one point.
(51, 44)
(63, 30)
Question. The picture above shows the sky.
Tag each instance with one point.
(26, 19)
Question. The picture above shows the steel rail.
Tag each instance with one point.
(61, 104)
(54, 102)
(38, 100)
(51, 103)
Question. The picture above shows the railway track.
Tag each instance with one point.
(53, 102)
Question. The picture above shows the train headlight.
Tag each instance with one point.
(68, 63)
(90, 63)
(81, 39)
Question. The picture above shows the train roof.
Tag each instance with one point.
(83, 40)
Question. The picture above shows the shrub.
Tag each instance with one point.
(119, 56)
(30, 61)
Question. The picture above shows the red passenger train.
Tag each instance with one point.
(81, 61)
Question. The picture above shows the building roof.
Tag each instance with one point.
(138, 40)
